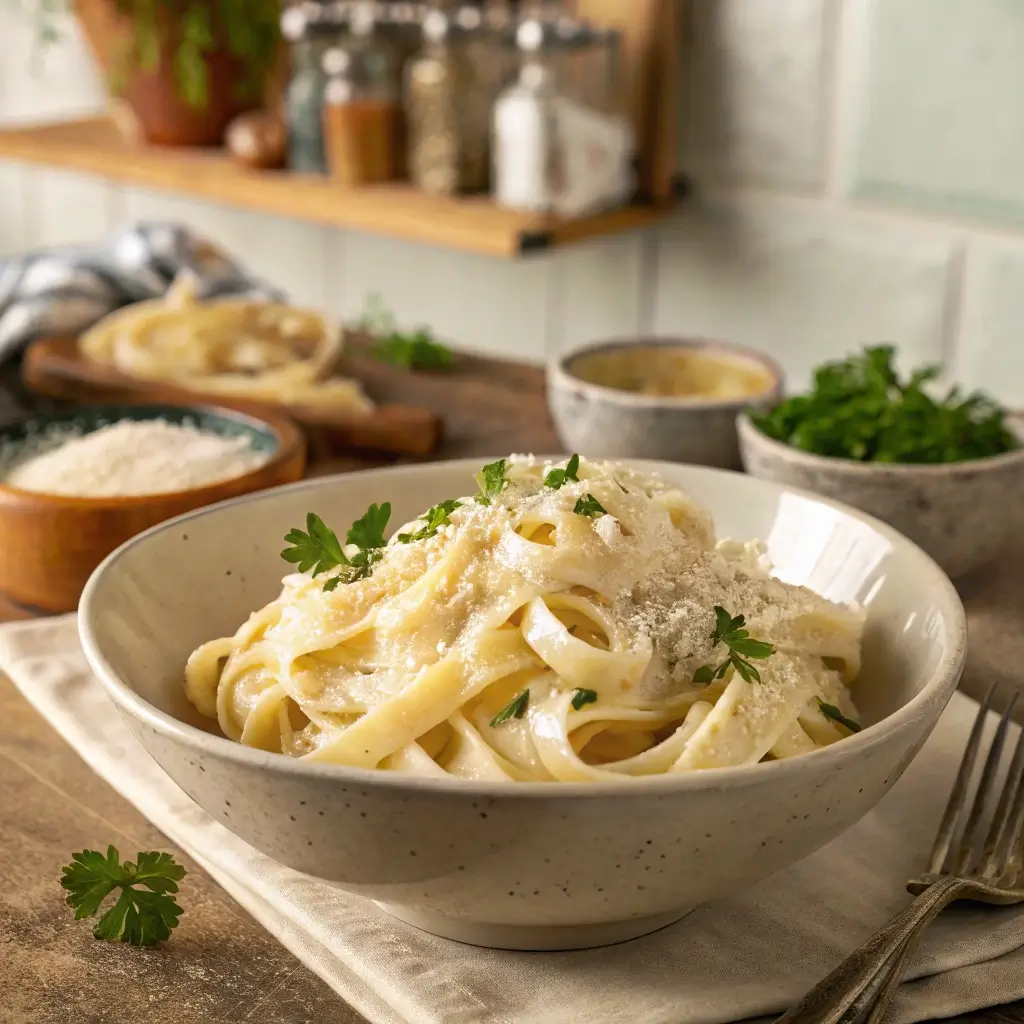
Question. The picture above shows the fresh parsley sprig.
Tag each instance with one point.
(492, 481)
(589, 506)
(860, 408)
(141, 916)
(558, 478)
(832, 712)
(729, 631)
(320, 550)
(435, 518)
(414, 350)
(515, 708)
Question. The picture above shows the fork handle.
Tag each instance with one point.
(869, 975)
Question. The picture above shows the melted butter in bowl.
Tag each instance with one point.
(675, 371)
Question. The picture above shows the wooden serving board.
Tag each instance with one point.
(54, 367)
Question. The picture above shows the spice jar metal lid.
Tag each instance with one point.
(437, 26)
(294, 23)
(337, 62)
(531, 36)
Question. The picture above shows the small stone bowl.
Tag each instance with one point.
(596, 394)
(963, 514)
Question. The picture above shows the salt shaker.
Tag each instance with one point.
(525, 130)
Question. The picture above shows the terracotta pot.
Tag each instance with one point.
(163, 116)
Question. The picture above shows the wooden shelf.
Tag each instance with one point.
(97, 146)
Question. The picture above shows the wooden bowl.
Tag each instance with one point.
(51, 543)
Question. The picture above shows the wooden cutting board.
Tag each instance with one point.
(54, 367)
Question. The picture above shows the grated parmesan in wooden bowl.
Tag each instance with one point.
(74, 486)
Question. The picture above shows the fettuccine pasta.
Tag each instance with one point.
(575, 622)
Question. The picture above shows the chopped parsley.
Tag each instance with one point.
(492, 481)
(582, 696)
(320, 550)
(588, 505)
(860, 408)
(557, 478)
(515, 708)
(729, 631)
(434, 518)
(832, 712)
(414, 350)
(141, 916)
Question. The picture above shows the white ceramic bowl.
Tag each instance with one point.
(528, 866)
(962, 513)
(615, 423)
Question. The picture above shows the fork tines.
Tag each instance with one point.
(988, 859)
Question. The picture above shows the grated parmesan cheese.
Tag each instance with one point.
(133, 457)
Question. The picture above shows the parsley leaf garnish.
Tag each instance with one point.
(557, 478)
(515, 708)
(860, 408)
(729, 631)
(435, 517)
(414, 350)
(141, 916)
(831, 711)
(491, 481)
(320, 550)
(588, 505)
(317, 549)
(582, 696)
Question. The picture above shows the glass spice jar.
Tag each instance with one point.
(435, 89)
(525, 129)
(303, 100)
(360, 119)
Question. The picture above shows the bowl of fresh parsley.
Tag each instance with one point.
(943, 467)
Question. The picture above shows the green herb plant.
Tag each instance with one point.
(188, 31)
(146, 910)
(741, 646)
(414, 350)
(860, 408)
(320, 550)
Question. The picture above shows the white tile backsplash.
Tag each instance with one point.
(990, 349)
(599, 290)
(803, 284)
(938, 120)
(66, 209)
(14, 226)
(293, 255)
(759, 91)
(475, 302)
(45, 82)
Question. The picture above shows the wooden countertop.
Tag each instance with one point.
(221, 967)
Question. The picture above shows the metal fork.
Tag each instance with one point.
(986, 866)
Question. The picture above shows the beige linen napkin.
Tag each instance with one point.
(746, 956)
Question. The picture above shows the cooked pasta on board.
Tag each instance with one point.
(568, 622)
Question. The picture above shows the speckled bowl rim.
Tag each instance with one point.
(750, 433)
(937, 690)
(288, 439)
(560, 372)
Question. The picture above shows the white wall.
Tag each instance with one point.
(861, 173)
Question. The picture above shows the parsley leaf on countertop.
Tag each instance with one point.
(141, 916)
(415, 350)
